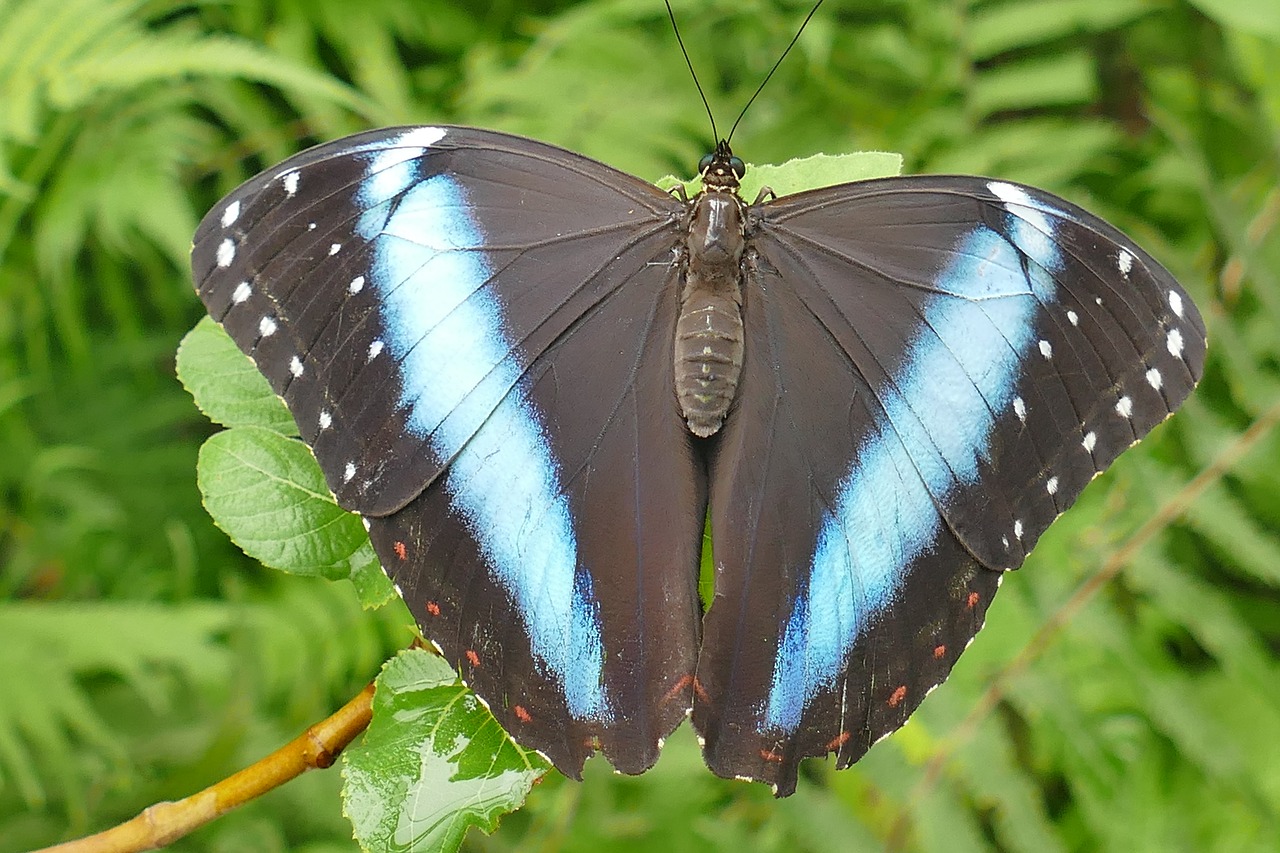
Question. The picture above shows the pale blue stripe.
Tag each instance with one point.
(962, 366)
(446, 332)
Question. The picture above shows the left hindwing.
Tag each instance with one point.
(983, 350)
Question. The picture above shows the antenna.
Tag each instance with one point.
(671, 14)
(760, 88)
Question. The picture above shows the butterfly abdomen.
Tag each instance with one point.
(708, 352)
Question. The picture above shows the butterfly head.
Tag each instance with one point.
(720, 170)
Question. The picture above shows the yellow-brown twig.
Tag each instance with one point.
(164, 823)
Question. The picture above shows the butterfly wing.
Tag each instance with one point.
(473, 332)
(985, 350)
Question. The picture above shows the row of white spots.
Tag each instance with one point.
(1124, 261)
(231, 214)
(1090, 441)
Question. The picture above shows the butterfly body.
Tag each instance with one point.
(536, 376)
(709, 333)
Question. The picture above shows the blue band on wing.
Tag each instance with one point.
(445, 330)
(938, 414)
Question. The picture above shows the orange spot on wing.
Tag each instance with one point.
(698, 691)
(838, 741)
(770, 755)
(898, 695)
(939, 651)
(974, 598)
(433, 608)
(678, 688)
(401, 551)
(522, 715)
(473, 657)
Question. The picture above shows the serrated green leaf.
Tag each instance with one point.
(432, 763)
(805, 173)
(267, 492)
(225, 383)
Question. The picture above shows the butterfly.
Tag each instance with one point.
(537, 378)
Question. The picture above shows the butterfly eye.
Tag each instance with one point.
(705, 163)
(739, 168)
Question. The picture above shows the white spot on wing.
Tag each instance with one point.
(1090, 440)
(1174, 342)
(242, 292)
(1020, 409)
(349, 472)
(1124, 261)
(1005, 540)
(356, 285)
(326, 420)
(1074, 318)
(1154, 379)
(1046, 349)
(374, 349)
(231, 214)
(295, 367)
(1051, 485)
(1124, 407)
(226, 253)
(334, 248)
(1175, 302)
(1017, 528)
(267, 326)
(290, 181)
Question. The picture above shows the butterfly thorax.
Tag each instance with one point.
(709, 335)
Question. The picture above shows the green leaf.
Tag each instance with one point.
(806, 173)
(226, 385)
(432, 763)
(266, 491)
(1256, 17)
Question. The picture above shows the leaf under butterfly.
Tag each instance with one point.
(433, 762)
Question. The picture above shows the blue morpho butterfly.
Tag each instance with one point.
(534, 376)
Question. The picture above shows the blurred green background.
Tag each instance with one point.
(142, 657)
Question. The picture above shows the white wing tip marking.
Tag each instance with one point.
(226, 253)
(421, 137)
(1020, 409)
(231, 214)
(290, 180)
(1124, 261)
(1175, 302)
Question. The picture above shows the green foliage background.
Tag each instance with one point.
(142, 657)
